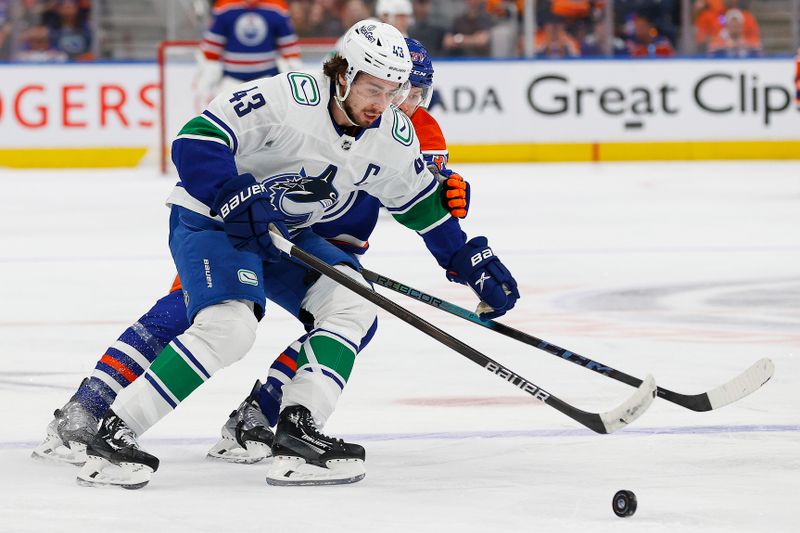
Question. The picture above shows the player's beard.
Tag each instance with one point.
(348, 108)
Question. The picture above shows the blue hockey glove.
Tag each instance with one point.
(247, 213)
(476, 265)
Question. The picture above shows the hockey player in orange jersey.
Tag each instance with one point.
(432, 143)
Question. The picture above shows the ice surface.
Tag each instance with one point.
(690, 271)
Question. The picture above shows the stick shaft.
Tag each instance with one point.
(698, 402)
(592, 421)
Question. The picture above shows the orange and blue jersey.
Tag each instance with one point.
(134, 350)
(248, 37)
(797, 80)
(432, 144)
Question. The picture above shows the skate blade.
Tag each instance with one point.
(98, 472)
(288, 471)
(229, 450)
(53, 451)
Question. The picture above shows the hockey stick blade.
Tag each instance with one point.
(746, 383)
(608, 422)
(734, 390)
(632, 408)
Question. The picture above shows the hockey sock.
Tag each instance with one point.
(221, 334)
(135, 349)
(280, 373)
(172, 377)
(324, 364)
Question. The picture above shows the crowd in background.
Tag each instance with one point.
(48, 30)
(59, 29)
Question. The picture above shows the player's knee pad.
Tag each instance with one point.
(222, 333)
(340, 310)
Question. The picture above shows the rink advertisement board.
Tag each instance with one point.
(634, 109)
(108, 114)
(86, 115)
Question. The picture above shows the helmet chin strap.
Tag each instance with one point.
(340, 100)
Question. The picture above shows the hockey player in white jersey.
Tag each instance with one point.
(286, 152)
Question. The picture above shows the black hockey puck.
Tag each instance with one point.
(624, 503)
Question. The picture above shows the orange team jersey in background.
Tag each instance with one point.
(431, 142)
(431, 138)
(563, 8)
(176, 285)
(797, 80)
(578, 9)
(709, 23)
(282, 4)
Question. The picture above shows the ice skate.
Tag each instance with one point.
(305, 456)
(246, 436)
(71, 429)
(114, 457)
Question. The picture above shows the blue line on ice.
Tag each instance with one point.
(499, 434)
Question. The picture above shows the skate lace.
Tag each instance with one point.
(75, 416)
(311, 428)
(123, 434)
(252, 417)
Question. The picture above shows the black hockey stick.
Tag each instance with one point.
(745, 383)
(606, 422)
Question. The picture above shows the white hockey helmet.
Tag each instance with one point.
(393, 7)
(377, 49)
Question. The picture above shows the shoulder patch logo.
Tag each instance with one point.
(304, 88)
(402, 130)
(248, 277)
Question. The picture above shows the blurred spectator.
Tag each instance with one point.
(571, 9)
(731, 40)
(660, 13)
(428, 33)
(594, 44)
(323, 21)
(298, 12)
(69, 31)
(52, 12)
(353, 11)
(706, 21)
(504, 34)
(505, 8)
(32, 12)
(553, 41)
(398, 13)
(5, 30)
(469, 34)
(575, 14)
(36, 46)
(645, 40)
(709, 21)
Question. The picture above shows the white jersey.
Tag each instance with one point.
(281, 131)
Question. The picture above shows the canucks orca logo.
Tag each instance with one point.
(302, 198)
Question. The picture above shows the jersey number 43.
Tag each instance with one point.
(244, 102)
